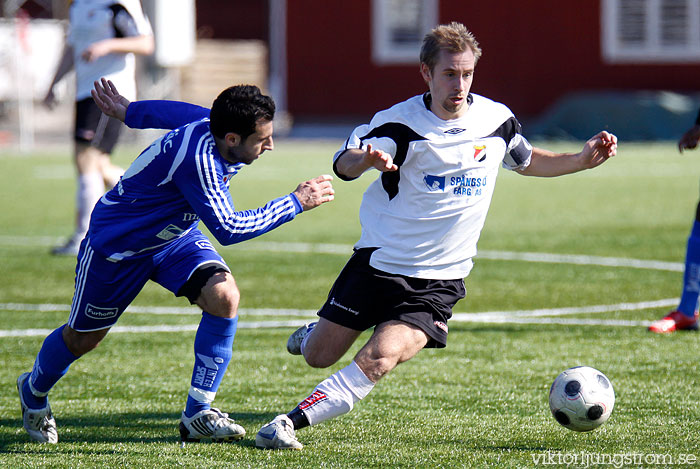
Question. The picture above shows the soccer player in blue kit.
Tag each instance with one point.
(146, 228)
(685, 316)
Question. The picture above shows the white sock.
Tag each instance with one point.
(337, 394)
(90, 189)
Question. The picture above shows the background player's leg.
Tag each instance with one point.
(110, 172)
(90, 187)
(686, 316)
(691, 276)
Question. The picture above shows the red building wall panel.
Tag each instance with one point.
(534, 53)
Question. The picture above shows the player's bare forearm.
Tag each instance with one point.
(143, 45)
(596, 151)
(355, 161)
(109, 100)
(315, 192)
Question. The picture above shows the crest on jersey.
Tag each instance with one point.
(434, 183)
(479, 153)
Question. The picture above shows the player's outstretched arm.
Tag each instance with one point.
(690, 139)
(315, 192)
(109, 100)
(356, 161)
(156, 114)
(597, 150)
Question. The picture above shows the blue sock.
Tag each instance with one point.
(213, 346)
(691, 277)
(52, 362)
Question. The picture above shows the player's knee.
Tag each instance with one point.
(375, 368)
(80, 343)
(223, 300)
(216, 291)
(228, 303)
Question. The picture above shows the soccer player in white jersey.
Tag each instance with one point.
(438, 156)
(103, 37)
(146, 228)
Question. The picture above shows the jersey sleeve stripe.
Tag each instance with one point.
(248, 221)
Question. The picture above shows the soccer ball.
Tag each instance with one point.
(581, 398)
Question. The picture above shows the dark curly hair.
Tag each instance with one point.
(238, 109)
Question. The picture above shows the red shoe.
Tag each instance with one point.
(675, 321)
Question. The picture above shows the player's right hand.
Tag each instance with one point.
(379, 159)
(315, 192)
(109, 100)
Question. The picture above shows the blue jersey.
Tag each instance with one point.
(178, 180)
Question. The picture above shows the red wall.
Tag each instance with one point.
(532, 56)
(232, 19)
(329, 62)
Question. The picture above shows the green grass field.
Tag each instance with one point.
(481, 402)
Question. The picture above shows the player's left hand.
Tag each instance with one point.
(95, 50)
(598, 149)
(109, 100)
(315, 192)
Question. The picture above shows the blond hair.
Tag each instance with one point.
(453, 37)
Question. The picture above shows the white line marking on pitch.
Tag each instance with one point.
(343, 249)
(535, 316)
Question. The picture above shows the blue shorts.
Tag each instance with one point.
(103, 289)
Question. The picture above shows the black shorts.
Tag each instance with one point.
(363, 297)
(95, 128)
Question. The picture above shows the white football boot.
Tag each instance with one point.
(39, 423)
(278, 434)
(210, 423)
(298, 336)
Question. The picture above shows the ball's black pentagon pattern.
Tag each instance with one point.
(562, 418)
(572, 388)
(595, 412)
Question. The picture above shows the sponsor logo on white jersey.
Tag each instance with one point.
(434, 183)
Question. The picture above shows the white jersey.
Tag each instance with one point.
(96, 20)
(426, 217)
